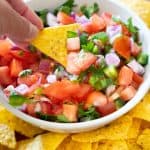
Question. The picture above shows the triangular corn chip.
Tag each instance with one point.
(7, 136)
(117, 130)
(49, 141)
(18, 125)
(52, 42)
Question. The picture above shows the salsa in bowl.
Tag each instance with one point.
(105, 68)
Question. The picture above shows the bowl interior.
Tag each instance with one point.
(105, 5)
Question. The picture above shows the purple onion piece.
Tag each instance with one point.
(136, 67)
(112, 59)
(82, 19)
(44, 66)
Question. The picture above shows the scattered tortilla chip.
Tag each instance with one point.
(142, 110)
(132, 145)
(144, 139)
(7, 136)
(115, 131)
(49, 141)
(145, 124)
(18, 125)
(134, 129)
(7, 118)
(52, 42)
(22, 145)
(141, 7)
(113, 145)
(25, 128)
(63, 145)
(95, 146)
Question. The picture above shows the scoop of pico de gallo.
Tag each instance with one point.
(105, 67)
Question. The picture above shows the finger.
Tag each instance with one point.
(25, 11)
(15, 26)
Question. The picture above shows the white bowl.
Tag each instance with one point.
(105, 5)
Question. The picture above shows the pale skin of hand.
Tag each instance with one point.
(18, 21)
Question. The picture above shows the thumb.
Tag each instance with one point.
(14, 25)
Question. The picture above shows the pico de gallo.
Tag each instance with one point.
(105, 67)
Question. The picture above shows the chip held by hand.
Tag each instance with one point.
(52, 42)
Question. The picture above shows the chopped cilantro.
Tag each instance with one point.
(88, 11)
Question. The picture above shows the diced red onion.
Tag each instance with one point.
(113, 32)
(44, 66)
(112, 59)
(73, 15)
(22, 89)
(51, 78)
(110, 89)
(82, 19)
(136, 67)
(51, 20)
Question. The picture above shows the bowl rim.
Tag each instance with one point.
(89, 124)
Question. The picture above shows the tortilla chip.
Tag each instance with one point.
(144, 139)
(22, 145)
(25, 128)
(52, 140)
(7, 136)
(113, 145)
(145, 124)
(134, 129)
(132, 145)
(52, 42)
(18, 125)
(49, 141)
(64, 144)
(142, 110)
(95, 146)
(115, 131)
(141, 7)
(7, 118)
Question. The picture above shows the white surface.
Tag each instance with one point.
(105, 5)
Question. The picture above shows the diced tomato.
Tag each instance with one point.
(98, 23)
(57, 109)
(31, 109)
(28, 80)
(122, 45)
(73, 44)
(15, 67)
(5, 61)
(107, 18)
(83, 92)
(43, 107)
(128, 93)
(107, 108)
(125, 76)
(95, 99)
(64, 18)
(5, 78)
(135, 49)
(87, 27)
(125, 30)
(46, 107)
(70, 112)
(77, 63)
(61, 89)
(137, 79)
(5, 47)
(24, 56)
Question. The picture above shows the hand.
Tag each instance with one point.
(18, 21)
